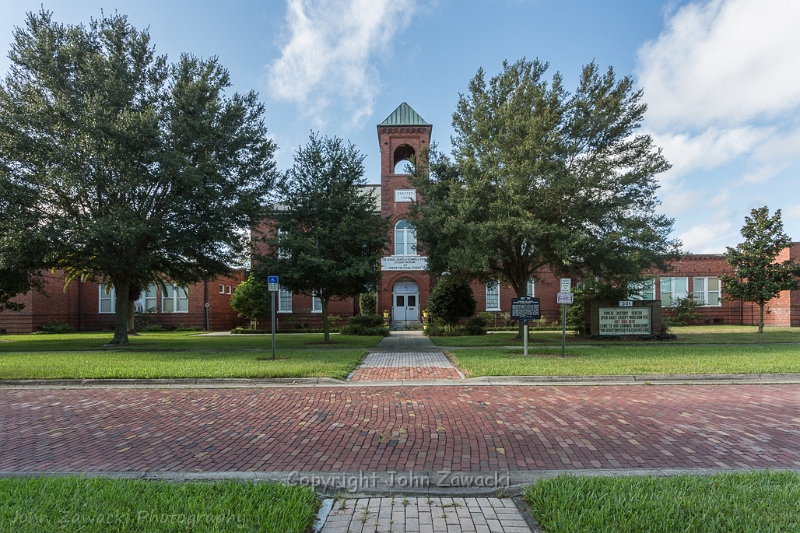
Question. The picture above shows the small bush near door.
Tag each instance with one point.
(365, 325)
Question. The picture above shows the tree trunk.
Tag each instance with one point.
(761, 316)
(325, 330)
(133, 295)
(121, 288)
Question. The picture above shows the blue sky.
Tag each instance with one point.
(721, 77)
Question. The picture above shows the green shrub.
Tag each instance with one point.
(368, 303)
(383, 331)
(367, 321)
(184, 327)
(151, 328)
(476, 325)
(451, 301)
(55, 328)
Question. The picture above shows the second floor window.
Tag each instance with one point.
(405, 238)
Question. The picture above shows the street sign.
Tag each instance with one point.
(566, 285)
(272, 284)
(525, 309)
(565, 298)
(626, 303)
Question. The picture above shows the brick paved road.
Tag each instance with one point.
(400, 428)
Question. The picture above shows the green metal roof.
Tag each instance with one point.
(404, 115)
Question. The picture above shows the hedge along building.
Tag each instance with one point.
(405, 285)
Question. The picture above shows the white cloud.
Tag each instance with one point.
(325, 61)
(723, 62)
(703, 238)
(792, 212)
(709, 149)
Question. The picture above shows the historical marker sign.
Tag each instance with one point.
(625, 321)
(525, 309)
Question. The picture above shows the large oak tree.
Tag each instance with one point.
(543, 180)
(135, 170)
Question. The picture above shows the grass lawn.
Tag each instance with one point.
(736, 503)
(686, 335)
(178, 355)
(74, 504)
(622, 359)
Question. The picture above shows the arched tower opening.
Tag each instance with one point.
(403, 155)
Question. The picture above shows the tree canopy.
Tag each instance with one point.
(252, 300)
(133, 170)
(757, 275)
(325, 238)
(543, 180)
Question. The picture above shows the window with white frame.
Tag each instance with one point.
(284, 301)
(174, 300)
(493, 296)
(405, 238)
(707, 291)
(228, 288)
(146, 303)
(282, 254)
(642, 290)
(530, 287)
(222, 289)
(316, 304)
(672, 289)
(107, 300)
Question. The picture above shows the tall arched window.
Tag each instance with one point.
(405, 238)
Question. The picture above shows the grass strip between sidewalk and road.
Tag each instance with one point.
(73, 504)
(178, 355)
(740, 502)
(620, 359)
(685, 335)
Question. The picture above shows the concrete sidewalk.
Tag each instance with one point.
(406, 341)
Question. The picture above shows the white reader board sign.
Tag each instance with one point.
(625, 321)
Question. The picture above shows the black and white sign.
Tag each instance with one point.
(566, 285)
(626, 303)
(624, 321)
(525, 309)
(404, 262)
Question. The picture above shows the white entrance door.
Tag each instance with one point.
(405, 298)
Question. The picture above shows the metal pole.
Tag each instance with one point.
(273, 325)
(525, 333)
(564, 330)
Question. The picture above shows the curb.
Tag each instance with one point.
(410, 483)
(486, 381)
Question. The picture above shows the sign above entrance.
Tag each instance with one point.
(404, 262)
(405, 195)
(406, 287)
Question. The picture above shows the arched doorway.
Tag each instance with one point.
(405, 301)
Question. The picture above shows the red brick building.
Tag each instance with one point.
(86, 306)
(404, 286)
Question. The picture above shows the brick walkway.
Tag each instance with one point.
(403, 373)
(426, 515)
(395, 366)
(374, 429)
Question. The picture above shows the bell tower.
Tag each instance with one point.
(405, 285)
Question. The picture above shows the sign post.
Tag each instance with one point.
(273, 285)
(525, 309)
(564, 298)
